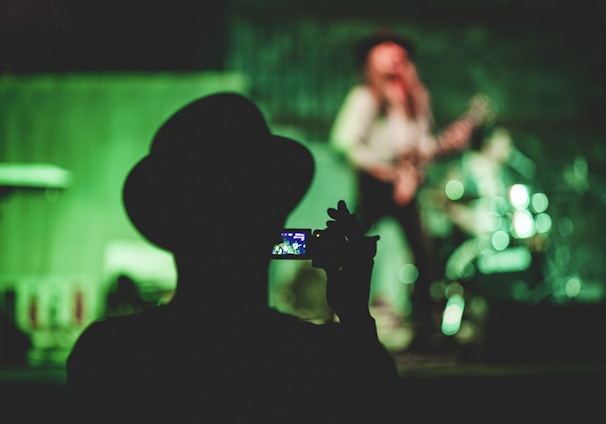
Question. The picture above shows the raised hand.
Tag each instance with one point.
(346, 254)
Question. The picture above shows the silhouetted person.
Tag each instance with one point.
(124, 297)
(14, 342)
(208, 193)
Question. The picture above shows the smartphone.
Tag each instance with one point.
(295, 244)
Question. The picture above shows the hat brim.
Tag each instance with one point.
(160, 197)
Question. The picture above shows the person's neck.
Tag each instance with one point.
(222, 286)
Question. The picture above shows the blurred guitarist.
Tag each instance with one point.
(384, 130)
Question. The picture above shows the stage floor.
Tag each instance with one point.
(432, 388)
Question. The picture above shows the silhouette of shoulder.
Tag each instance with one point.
(261, 369)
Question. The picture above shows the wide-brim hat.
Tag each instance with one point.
(215, 160)
(380, 36)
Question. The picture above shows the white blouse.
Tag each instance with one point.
(368, 138)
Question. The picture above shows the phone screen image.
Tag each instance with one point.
(294, 244)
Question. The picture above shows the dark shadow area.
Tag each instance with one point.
(546, 334)
(98, 36)
(427, 391)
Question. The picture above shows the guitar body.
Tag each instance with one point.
(410, 170)
(407, 180)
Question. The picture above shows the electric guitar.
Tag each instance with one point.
(410, 168)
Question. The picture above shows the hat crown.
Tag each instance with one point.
(380, 36)
(213, 125)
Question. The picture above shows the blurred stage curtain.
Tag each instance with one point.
(95, 126)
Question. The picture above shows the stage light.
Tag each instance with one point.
(514, 259)
(542, 223)
(519, 196)
(523, 224)
(453, 314)
(408, 273)
(454, 189)
(573, 287)
(500, 240)
(519, 290)
(565, 226)
(539, 202)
